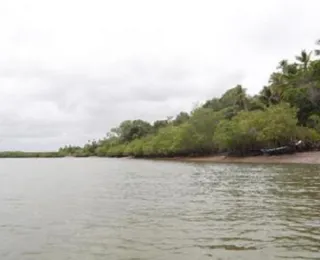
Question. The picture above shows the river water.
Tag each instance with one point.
(85, 209)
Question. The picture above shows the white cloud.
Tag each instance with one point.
(70, 70)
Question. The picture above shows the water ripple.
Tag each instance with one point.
(135, 209)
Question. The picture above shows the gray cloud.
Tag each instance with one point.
(57, 104)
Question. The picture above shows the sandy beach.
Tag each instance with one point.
(300, 158)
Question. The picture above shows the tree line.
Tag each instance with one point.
(286, 109)
(20, 154)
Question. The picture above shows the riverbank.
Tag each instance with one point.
(299, 158)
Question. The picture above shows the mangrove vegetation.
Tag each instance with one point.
(286, 109)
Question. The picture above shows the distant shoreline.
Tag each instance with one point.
(297, 158)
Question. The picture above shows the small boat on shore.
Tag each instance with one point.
(278, 150)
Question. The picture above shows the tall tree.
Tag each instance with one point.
(181, 118)
(241, 98)
(317, 51)
(283, 66)
(304, 58)
(266, 96)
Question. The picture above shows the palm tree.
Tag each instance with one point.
(276, 79)
(241, 97)
(283, 65)
(278, 84)
(317, 51)
(304, 59)
(266, 96)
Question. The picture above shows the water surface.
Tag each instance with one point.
(133, 209)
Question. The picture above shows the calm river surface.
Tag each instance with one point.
(85, 209)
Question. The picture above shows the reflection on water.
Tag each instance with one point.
(135, 209)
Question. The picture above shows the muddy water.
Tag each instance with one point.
(134, 209)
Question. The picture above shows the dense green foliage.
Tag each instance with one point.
(19, 154)
(286, 110)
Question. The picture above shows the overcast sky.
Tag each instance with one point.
(72, 69)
